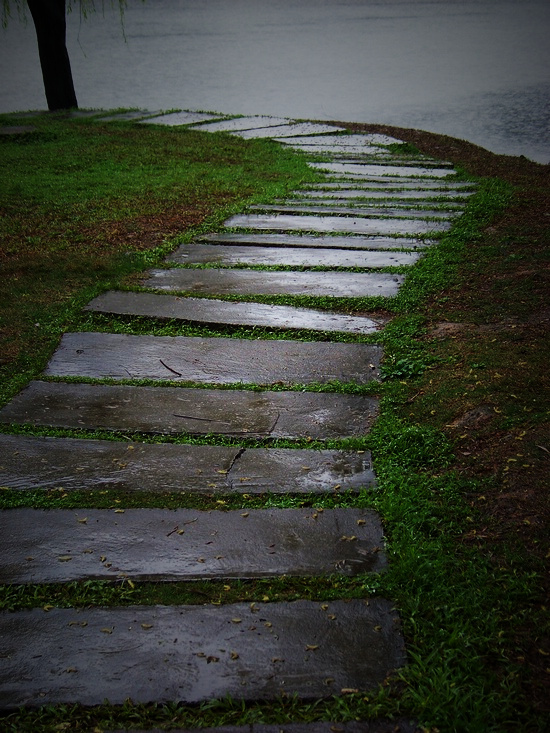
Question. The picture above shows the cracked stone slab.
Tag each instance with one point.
(212, 360)
(383, 170)
(282, 282)
(175, 410)
(58, 546)
(198, 254)
(328, 224)
(355, 193)
(244, 123)
(72, 464)
(343, 209)
(180, 118)
(192, 653)
(205, 310)
(317, 241)
(300, 128)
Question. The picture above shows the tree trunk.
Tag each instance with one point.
(49, 21)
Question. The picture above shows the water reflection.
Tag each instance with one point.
(474, 69)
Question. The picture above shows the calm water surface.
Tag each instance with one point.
(473, 69)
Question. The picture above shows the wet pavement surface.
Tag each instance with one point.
(252, 651)
(186, 544)
(194, 653)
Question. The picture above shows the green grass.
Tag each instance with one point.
(472, 608)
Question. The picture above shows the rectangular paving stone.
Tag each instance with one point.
(244, 123)
(367, 140)
(226, 281)
(315, 241)
(344, 209)
(390, 183)
(371, 151)
(193, 653)
(73, 464)
(383, 170)
(354, 193)
(301, 128)
(179, 118)
(328, 224)
(195, 254)
(212, 360)
(174, 410)
(58, 546)
(205, 310)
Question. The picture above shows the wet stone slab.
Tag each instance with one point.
(180, 118)
(261, 282)
(390, 183)
(57, 546)
(194, 254)
(383, 170)
(71, 464)
(288, 131)
(193, 653)
(317, 241)
(365, 141)
(199, 310)
(244, 123)
(174, 410)
(351, 194)
(343, 209)
(212, 360)
(327, 224)
(378, 725)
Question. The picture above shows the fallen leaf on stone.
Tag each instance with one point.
(331, 616)
(64, 558)
(361, 522)
(29, 558)
(324, 607)
(219, 557)
(201, 559)
(345, 538)
(71, 669)
(83, 520)
(146, 626)
(212, 659)
(378, 628)
(200, 654)
(348, 690)
(119, 511)
(47, 607)
(223, 471)
(312, 647)
(180, 531)
(268, 624)
(277, 659)
(234, 655)
(245, 514)
(102, 558)
(106, 631)
(236, 620)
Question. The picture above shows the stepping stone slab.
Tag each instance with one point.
(390, 183)
(283, 282)
(180, 118)
(244, 123)
(193, 254)
(382, 170)
(303, 128)
(173, 410)
(201, 310)
(58, 546)
(318, 241)
(337, 150)
(343, 209)
(212, 360)
(327, 224)
(365, 141)
(74, 464)
(354, 193)
(193, 653)
(379, 725)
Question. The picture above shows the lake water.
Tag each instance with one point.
(473, 69)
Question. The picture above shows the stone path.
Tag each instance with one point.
(372, 210)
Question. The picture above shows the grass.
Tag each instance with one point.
(460, 448)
